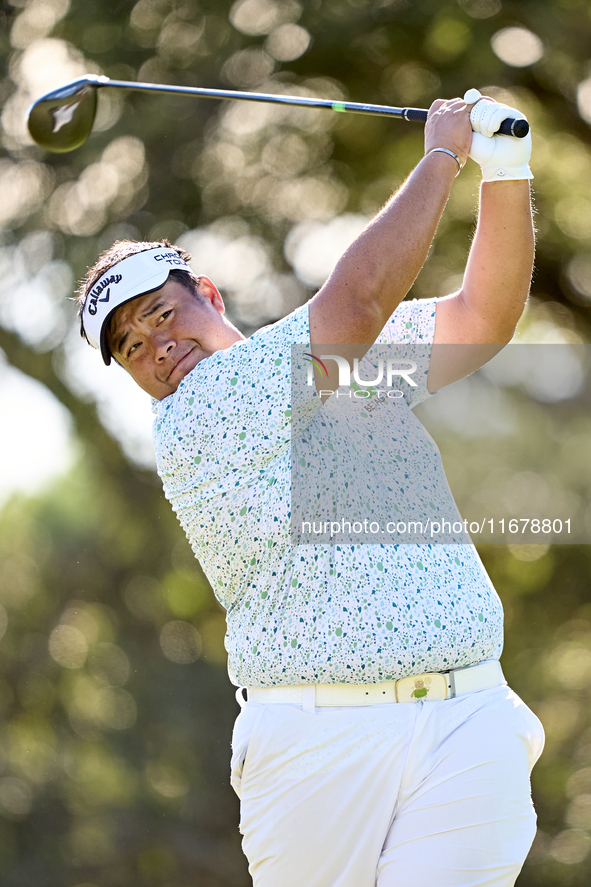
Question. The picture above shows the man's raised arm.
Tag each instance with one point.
(378, 269)
(483, 314)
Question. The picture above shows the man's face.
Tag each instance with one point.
(160, 337)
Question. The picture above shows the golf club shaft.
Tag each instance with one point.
(418, 114)
(510, 127)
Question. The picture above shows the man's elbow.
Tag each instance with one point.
(491, 324)
(509, 325)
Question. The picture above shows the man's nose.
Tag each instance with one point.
(163, 345)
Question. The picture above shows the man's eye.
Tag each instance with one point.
(165, 314)
(133, 348)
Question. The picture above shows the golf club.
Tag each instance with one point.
(62, 120)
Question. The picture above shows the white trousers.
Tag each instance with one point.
(425, 794)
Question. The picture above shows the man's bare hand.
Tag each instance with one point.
(448, 126)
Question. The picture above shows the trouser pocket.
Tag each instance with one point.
(242, 741)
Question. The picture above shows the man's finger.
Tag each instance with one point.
(436, 105)
(471, 96)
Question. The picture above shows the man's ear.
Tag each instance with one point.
(209, 291)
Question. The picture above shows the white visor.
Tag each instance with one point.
(139, 274)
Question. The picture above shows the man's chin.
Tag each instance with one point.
(168, 386)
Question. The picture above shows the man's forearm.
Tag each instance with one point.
(384, 261)
(377, 271)
(498, 273)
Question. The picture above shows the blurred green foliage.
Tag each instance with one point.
(116, 709)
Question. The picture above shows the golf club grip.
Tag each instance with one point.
(518, 127)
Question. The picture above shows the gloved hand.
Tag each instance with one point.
(502, 158)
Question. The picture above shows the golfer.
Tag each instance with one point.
(378, 742)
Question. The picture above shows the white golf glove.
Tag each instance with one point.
(501, 158)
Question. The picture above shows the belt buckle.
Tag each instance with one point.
(422, 687)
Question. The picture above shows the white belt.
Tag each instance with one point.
(416, 688)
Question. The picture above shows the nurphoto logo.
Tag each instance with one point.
(392, 368)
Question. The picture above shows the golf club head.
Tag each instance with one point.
(62, 120)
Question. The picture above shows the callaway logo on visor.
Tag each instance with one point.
(95, 293)
(139, 274)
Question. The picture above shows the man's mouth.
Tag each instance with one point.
(179, 362)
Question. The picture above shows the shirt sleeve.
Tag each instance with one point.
(413, 324)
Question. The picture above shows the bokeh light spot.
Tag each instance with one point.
(584, 99)
(68, 646)
(167, 780)
(287, 42)
(528, 553)
(312, 248)
(571, 846)
(257, 17)
(180, 642)
(248, 67)
(481, 8)
(579, 812)
(517, 47)
(109, 664)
